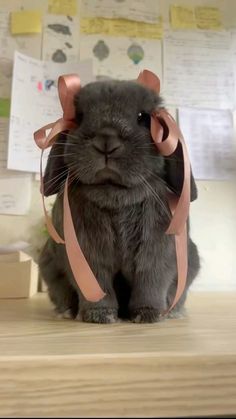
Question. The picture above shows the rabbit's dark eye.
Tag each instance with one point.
(144, 119)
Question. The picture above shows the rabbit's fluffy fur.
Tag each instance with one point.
(118, 198)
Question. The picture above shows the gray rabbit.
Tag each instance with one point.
(118, 197)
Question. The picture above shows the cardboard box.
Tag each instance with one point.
(18, 276)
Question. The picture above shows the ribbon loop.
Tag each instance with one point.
(68, 86)
(149, 79)
(167, 147)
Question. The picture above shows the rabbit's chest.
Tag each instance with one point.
(134, 227)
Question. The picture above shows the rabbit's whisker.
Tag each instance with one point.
(56, 178)
(61, 155)
(154, 194)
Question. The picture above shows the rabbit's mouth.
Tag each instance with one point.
(108, 176)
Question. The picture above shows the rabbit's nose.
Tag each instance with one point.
(107, 141)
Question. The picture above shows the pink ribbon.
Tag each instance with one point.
(68, 86)
(179, 206)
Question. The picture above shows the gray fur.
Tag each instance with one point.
(118, 198)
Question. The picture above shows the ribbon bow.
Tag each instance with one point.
(68, 86)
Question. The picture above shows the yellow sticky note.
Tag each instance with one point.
(63, 7)
(208, 18)
(122, 27)
(182, 17)
(26, 21)
(92, 26)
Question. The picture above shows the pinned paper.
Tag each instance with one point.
(233, 46)
(122, 27)
(198, 69)
(15, 193)
(182, 17)
(60, 39)
(4, 107)
(24, 43)
(26, 21)
(210, 140)
(208, 18)
(121, 57)
(62, 7)
(41, 105)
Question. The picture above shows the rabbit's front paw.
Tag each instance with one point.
(99, 315)
(145, 315)
(66, 314)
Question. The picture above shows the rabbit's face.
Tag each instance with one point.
(112, 144)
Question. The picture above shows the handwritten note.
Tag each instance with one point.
(63, 7)
(209, 136)
(182, 17)
(138, 10)
(208, 18)
(15, 194)
(198, 69)
(122, 27)
(60, 39)
(26, 21)
(41, 105)
(26, 44)
(121, 58)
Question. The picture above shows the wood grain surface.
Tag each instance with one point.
(63, 368)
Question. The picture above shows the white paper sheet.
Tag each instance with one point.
(121, 58)
(15, 194)
(143, 11)
(209, 137)
(30, 45)
(60, 39)
(35, 103)
(15, 187)
(233, 49)
(198, 69)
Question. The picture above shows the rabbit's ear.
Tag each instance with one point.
(55, 172)
(174, 173)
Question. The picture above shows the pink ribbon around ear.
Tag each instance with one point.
(68, 86)
(179, 206)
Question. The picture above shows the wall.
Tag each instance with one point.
(213, 215)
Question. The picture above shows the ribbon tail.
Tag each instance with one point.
(181, 211)
(83, 275)
(182, 264)
(181, 245)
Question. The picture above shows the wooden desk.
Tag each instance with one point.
(63, 368)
